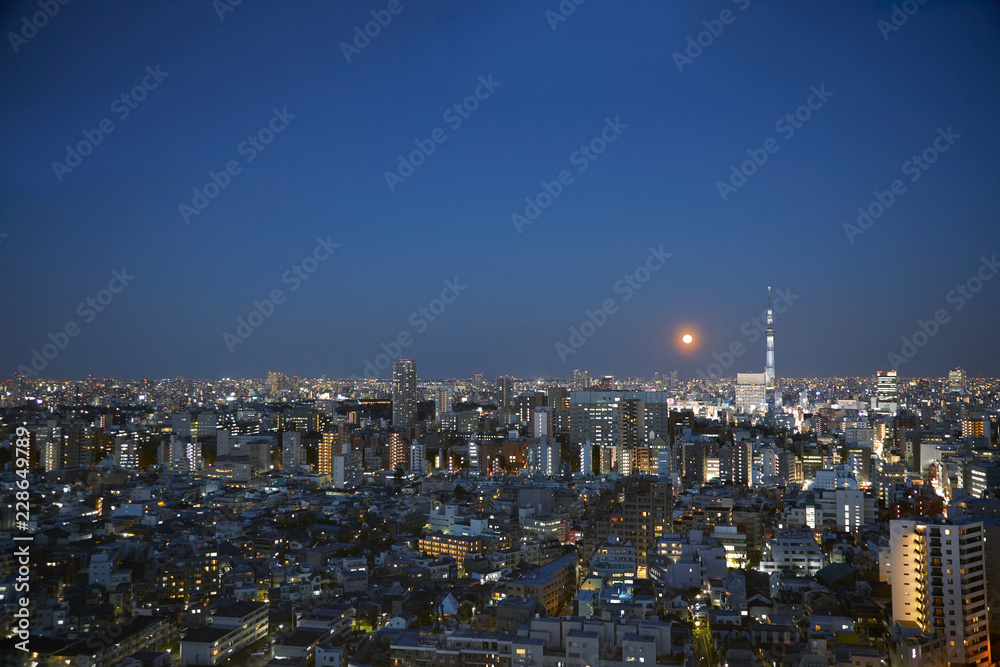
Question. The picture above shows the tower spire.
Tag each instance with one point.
(769, 361)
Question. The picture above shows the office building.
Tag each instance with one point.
(581, 380)
(751, 392)
(956, 380)
(886, 392)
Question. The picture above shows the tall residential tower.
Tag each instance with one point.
(404, 393)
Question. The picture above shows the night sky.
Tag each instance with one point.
(639, 123)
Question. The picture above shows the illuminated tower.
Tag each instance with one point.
(769, 365)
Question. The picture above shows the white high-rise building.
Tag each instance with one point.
(751, 392)
(346, 469)
(939, 582)
(586, 459)
(418, 458)
(886, 392)
(291, 450)
(542, 426)
(549, 462)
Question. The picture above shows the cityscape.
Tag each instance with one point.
(381, 333)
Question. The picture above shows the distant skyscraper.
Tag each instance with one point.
(751, 392)
(581, 380)
(956, 380)
(404, 393)
(886, 392)
(505, 399)
(442, 403)
(769, 364)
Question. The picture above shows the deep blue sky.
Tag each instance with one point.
(656, 184)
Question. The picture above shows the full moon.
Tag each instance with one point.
(687, 338)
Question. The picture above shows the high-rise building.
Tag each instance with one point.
(751, 392)
(291, 450)
(126, 452)
(404, 393)
(886, 392)
(418, 457)
(741, 463)
(442, 403)
(399, 453)
(505, 400)
(938, 581)
(595, 415)
(977, 425)
(769, 333)
(327, 444)
(586, 459)
(631, 433)
(549, 458)
(581, 380)
(474, 456)
(541, 423)
(956, 380)
(347, 470)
